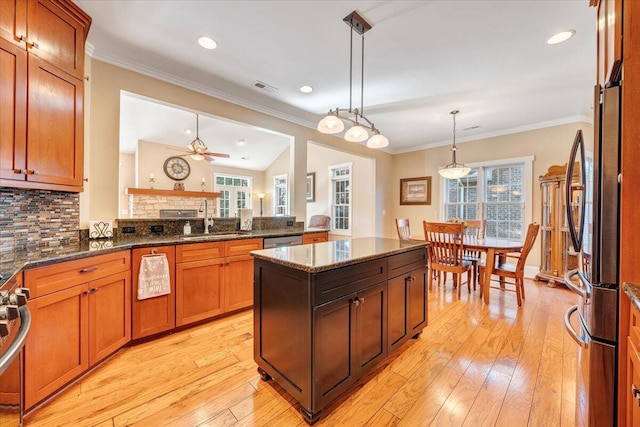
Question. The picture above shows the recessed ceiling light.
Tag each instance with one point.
(561, 37)
(207, 42)
(306, 89)
(245, 158)
(187, 131)
(240, 142)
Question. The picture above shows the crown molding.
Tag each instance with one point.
(525, 128)
(196, 87)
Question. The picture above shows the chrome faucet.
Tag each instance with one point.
(207, 222)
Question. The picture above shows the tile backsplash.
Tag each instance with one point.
(37, 219)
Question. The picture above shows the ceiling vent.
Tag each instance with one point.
(264, 86)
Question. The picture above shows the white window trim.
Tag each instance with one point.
(230, 175)
(288, 201)
(330, 198)
(528, 184)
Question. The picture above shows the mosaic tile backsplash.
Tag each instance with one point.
(31, 219)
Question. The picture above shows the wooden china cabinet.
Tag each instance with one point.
(557, 255)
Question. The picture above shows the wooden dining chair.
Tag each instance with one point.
(404, 231)
(514, 271)
(446, 251)
(474, 230)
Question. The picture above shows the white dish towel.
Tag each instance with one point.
(153, 280)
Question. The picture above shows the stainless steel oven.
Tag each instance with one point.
(593, 214)
(15, 321)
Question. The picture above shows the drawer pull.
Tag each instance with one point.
(635, 392)
(88, 270)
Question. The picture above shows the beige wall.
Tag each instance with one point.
(103, 112)
(280, 166)
(362, 204)
(549, 146)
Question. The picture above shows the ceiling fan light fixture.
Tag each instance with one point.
(330, 124)
(454, 170)
(377, 141)
(356, 134)
(197, 156)
(333, 122)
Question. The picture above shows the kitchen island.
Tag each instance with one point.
(327, 313)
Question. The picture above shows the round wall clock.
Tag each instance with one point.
(177, 168)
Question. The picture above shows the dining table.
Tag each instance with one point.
(492, 247)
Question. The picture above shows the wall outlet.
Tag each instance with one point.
(128, 230)
(157, 228)
(289, 223)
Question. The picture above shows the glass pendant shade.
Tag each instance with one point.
(377, 141)
(356, 134)
(330, 124)
(454, 171)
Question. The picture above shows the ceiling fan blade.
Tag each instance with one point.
(208, 153)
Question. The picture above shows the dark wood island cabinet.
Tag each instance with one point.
(327, 313)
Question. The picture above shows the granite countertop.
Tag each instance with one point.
(633, 292)
(336, 253)
(12, 263)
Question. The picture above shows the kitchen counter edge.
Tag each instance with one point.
(88, 248)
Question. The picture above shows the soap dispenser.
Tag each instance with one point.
(187, 228)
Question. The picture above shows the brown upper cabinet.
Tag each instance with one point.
(42, 50)
(54, 30)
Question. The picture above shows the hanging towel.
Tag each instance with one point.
(153, 279)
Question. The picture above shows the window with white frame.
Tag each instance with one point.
(234, 194)
(499, 192)
(341, 197)
(280, 195)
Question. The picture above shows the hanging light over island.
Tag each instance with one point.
(333, 122)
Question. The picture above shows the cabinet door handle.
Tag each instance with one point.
(28, 43)
(86, 292)
(95, 289)
(635, 392)
(20, 171)
(88, 270)
(355, 301)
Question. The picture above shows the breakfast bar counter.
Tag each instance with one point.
(327, 313)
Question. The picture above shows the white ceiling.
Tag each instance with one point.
(150, 120)
(489, 59)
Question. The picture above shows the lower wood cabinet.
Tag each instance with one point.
(213, 278)
(73, 329)
(199, 283)
(632, 389)
(315, 237)
(349, 339)
(317, 333)
(153, 315)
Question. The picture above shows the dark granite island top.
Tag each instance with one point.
(327, 313)
(336, 253)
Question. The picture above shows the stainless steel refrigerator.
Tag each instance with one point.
(593, 212)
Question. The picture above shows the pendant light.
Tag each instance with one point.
(197, 147)
(454, 170)
(333, 122)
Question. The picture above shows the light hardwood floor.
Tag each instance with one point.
(473, 365)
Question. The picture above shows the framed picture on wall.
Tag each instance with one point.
(311, 187)
(415, 191)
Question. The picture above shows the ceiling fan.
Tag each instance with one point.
(198, 150)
